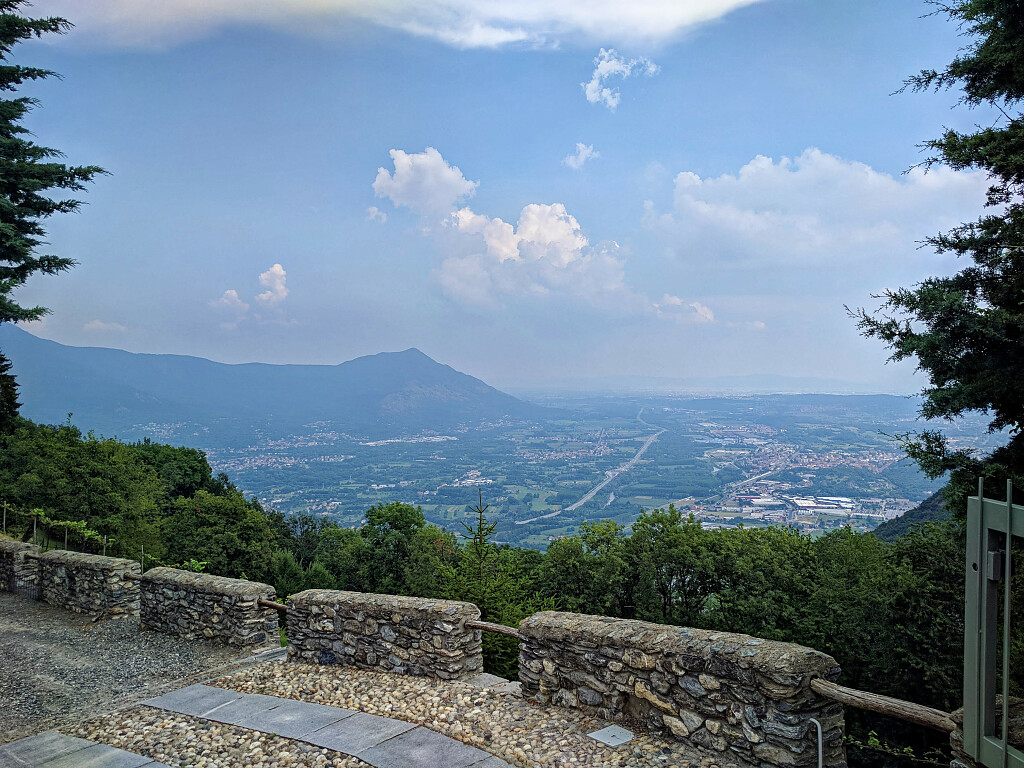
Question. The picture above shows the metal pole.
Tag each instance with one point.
(5, 517)
(142, 562)
(1006, 623)
(65, 538)
(34, 519)
(104, 545)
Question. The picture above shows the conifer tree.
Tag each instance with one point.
(30, 174)
(966, 331)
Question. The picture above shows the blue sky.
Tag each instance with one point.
(527, 191)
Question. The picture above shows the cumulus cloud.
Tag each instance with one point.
(815, 209)
(609, 64)
(373, 213)
(544, 253)
(274, 281)
(684, 311)
(98, 326)
(459, 23)
(230, 301)
(231, 304)
(583, 153)
(423, 182)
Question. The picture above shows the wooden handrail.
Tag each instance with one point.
(488, 626)
(271, 604)
(885, 705)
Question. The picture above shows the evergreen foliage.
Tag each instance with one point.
(966, 331)
(29, 173)
(9, 404)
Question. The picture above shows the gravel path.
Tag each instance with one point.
(59, 666)
(502, 724)
(184, 742)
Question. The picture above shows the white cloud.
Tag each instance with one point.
(373, 213)
(231, 302)
(584, 152)
(98, 326)
(609, 64)
(684, 311)
(460, 23)
(813, 210)
(423, 182)
(543, 254)
(274, 280)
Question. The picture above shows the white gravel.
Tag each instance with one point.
(191, 742)
(503, 724)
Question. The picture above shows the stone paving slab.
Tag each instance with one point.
(357, 733)
(294, 719)
(39, 749)
(55, 750)
(196, 700)
(379, 741)
(422, 748)
(100, 756)
(249, 705)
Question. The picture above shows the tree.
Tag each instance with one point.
(9, 404)
(967, 331)
(28, 171)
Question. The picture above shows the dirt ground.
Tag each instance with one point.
(57, 667)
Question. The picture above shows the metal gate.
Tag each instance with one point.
(991, 528)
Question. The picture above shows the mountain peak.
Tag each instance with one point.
(113, 391)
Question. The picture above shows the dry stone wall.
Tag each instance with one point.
(16, 570)
(405, 635)
(200, 606)
(744, 698)
(88, 583)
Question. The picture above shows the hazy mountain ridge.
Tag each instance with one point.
(111, 390)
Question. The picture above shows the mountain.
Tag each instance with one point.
(116, 392)
(752, 384)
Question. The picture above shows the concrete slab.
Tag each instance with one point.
(194, 700)
(422, 748)
(238, 709)
(294, 719)
(357, 733)
(99, 756)
(36, 750)
(492, 761)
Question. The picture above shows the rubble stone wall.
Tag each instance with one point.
(88, 583)
(16, 570)
(199, 606)
(405, 635)
(745, 699)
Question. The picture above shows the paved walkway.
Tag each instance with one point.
(379, 741)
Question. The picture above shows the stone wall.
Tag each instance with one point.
(88, 583)
(746, 699)
(405, 635)
(200, 606)
(17, 571)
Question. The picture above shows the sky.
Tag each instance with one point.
(525, 190)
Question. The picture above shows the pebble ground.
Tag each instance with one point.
(503, 724)
(191, 742)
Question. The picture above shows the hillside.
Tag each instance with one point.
(930, 510)
(113, 391)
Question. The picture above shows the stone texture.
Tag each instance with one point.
(198, 606)
(86, 583)
(405, 635)
(744, 698)
(16, 570)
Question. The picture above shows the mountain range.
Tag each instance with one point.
(116, 392)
